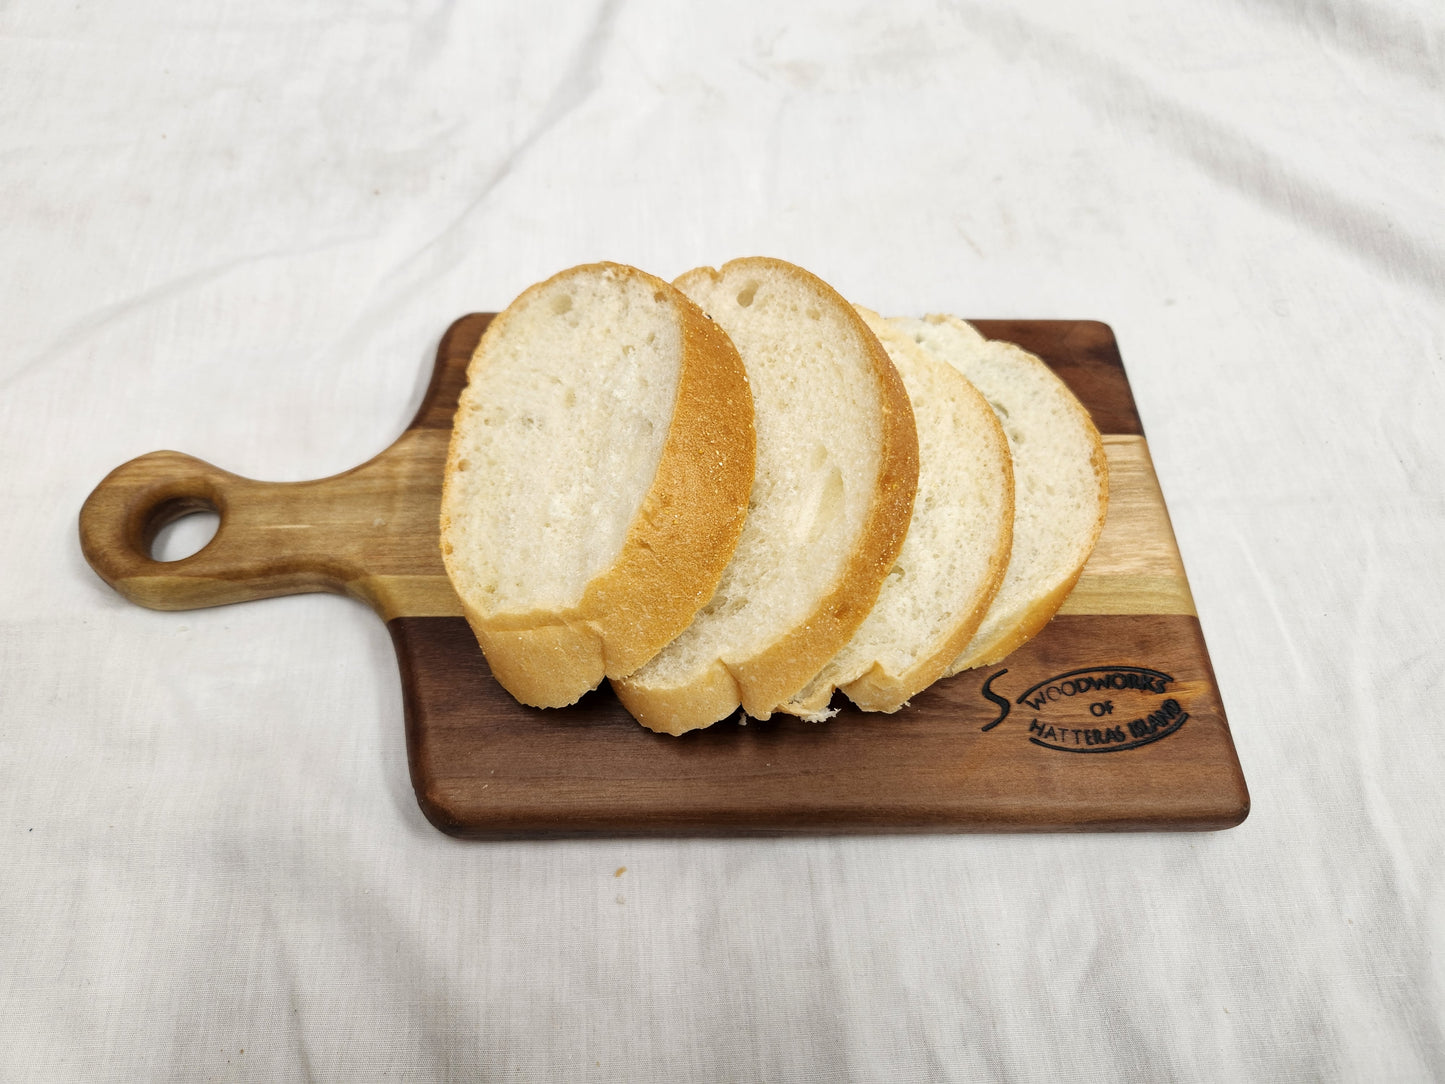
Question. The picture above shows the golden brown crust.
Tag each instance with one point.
(676, 547)
(688, 526)
(527, 662)
(765, 680)
(713, 694)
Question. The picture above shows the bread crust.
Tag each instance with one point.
(712, 694)
(526, 661)
(676, 546)
(762, 682)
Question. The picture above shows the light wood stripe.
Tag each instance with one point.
(410, 596)
(1135, 568)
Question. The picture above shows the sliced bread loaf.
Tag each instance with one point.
(1061, 480)
(837, 466)
(957, 548)
(597, 478)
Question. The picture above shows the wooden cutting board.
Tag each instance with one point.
(1110, 719)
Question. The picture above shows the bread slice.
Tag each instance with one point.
(1061, 480)
(837, 468)
(957, 548)
(597, 478)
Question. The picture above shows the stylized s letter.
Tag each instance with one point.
(1000, 701)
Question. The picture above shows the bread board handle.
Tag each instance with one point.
(270, 540)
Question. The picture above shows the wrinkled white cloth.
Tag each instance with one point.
(237, 230)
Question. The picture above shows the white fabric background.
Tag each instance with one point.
(238, 230)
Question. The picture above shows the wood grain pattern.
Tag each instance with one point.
(485, 767)
(1135, 567)
(1122, 672)
(370, 532)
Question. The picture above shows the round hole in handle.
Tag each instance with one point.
(181, 528)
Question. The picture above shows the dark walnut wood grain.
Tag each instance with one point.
(483, 766)
(1110, 719)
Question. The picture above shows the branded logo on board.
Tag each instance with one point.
(1103, 709)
